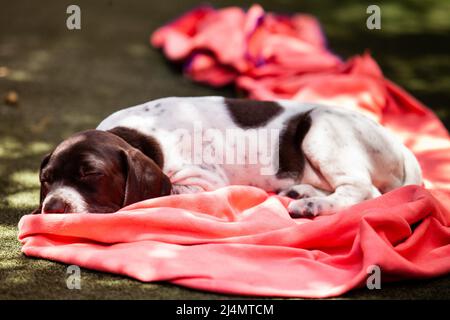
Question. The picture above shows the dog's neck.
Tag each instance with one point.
(145, 143)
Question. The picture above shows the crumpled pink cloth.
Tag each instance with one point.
(240, 239)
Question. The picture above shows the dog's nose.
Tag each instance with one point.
(55, 205)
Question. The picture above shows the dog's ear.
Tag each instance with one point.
(145, 143)
(144, 178)
(44, 162)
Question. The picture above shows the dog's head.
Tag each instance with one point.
(101, 172)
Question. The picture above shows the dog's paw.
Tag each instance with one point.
(300, 191)
(309, 207)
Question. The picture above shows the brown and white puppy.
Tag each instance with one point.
(97, 171)
(325, 158)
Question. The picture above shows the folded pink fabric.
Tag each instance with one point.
(240, 239)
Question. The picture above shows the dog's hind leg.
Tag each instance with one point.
(334, 150)
(345, 195)
(302, 191)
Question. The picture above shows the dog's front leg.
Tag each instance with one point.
(193, 179)
(184, 189)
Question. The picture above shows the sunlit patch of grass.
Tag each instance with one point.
(26, 178)
(438, 17)
(81, 120)
(5, 232)
(351, 13)
(12, 148)
(8, 263)
(397, 18)
(39, 147)
(8, 255)
(418, 73)
(137, 50)
(18, 199)
(19, 75)
(15, 268)
(38, 60)
(9, 147)
(400, 18)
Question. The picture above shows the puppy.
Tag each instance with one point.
(324, 158)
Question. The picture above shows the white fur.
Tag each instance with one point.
(70, 195)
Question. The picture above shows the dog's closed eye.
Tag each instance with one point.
(90, 174)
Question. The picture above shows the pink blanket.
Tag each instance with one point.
(240, 239)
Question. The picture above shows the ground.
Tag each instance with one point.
(68, 81)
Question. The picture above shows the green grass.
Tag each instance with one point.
(69, 80)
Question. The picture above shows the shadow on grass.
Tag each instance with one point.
(40, 279)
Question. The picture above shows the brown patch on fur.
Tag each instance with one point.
(251, 113)
(292, 160)
(146, 144)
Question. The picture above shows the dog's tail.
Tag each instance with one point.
(412, 171)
